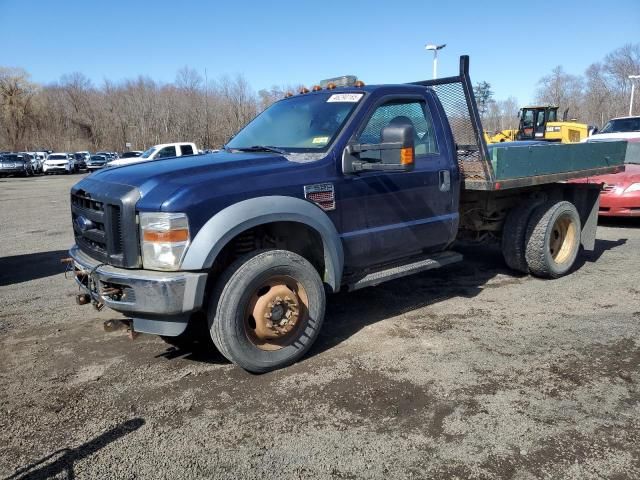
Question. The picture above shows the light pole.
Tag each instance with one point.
(129, 145)
(435, 49)
(633, 87)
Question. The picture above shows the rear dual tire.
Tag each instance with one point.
(542, 239)
(514, 233)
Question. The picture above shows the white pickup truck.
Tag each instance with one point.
(164, 150)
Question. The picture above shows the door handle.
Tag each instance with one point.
(445, 180)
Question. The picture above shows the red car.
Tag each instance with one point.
(620, 195)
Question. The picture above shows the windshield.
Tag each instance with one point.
(305, 123)
(57, 157)
(98, 158)
(148, 153)
(527, 118)
(622, 125)
(12, 158)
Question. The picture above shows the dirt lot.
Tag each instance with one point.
(468, 372)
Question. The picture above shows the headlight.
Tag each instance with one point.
(634, 187)
(164, 238)
(553, 129)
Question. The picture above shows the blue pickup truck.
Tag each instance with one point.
(337, 187)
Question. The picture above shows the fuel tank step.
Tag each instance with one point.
(429, 262)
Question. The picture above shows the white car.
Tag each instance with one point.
(621, 128)
(59, 163)
(164, 150)
(40, 157)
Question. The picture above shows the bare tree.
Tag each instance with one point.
(561, 89)
(17, 94)
(74, 114)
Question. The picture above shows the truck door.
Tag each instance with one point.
(405, 212)
(541, 123)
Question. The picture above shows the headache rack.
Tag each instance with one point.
(513, 166)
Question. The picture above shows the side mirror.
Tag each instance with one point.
(397, 152)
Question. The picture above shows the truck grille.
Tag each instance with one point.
(100, 223)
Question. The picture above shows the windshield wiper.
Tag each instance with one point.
(261, 148)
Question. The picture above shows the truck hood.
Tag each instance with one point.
(612, 136)
(170, 174)
(630, 175)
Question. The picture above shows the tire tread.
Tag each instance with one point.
(536, 238)
(514, 235)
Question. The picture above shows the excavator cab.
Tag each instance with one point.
(541, 123)
(533, 122)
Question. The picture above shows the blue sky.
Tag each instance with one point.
(292, 42)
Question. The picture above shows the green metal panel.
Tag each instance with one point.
(528, 161)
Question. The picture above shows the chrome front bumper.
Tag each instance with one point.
(158, 302)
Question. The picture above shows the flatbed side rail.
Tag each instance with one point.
(459, 103)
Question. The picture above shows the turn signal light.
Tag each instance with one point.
(180, 235)
(406, 156)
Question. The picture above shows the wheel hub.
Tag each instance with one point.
(275, 309)
(563, 237)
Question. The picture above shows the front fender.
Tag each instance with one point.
(236, 218)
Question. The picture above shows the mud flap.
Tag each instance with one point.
(586, 198)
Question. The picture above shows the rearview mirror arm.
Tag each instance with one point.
(364, 147)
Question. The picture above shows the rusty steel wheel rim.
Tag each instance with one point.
(563, 238)
(277, 311)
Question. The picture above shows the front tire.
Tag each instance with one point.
(553, 239)
(267, 310)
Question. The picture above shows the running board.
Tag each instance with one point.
(430, 262)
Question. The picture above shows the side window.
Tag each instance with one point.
(167, 152)
(186, 149)
(398, 112)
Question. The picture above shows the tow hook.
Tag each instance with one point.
(83, 298)
(114, 325)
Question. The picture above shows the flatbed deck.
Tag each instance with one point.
(516, 166)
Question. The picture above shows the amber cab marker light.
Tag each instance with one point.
(171, 236)
(316, 88)
(406, 156)
(288, 94)
(358, 84)
(331, 86)
(304, 90)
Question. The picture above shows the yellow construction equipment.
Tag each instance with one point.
(508, 135)
(541, 123)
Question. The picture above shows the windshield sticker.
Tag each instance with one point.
(345, 97)
(320, 140)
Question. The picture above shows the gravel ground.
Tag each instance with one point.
(467, 372)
